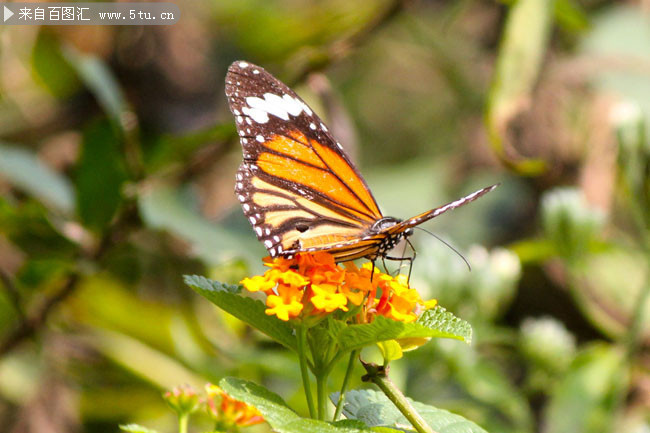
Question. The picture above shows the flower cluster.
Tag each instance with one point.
(228, 411)
(314, 285)
(182, 399)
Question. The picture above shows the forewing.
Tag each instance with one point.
(419, 219)
(296, 185)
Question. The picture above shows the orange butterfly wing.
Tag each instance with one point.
(296, 185)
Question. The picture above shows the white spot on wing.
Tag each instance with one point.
(258, 230)
(268, 243)
(243, 64)
(312, 126)
(292, 105)
(260, 139)
(306, 108)
(271, 104)
(281, 107)
(259, 116)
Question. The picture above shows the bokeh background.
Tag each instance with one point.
(117, 162)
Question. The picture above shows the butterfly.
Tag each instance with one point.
(297, 186)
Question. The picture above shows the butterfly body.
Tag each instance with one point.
(297, 187)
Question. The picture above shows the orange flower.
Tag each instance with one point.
(229, 411)
(314, 285)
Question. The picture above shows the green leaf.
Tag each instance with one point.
(435, 323)
(571, 16)
(522, 49)
(163, 207)
(375, 409)
(29, 227)
(276, 412)
(582, 402)
(99, 79)
(177, 150)
(621, 32)
(135, 428)
(248, 310)
(24, 170)
(50, 67)
(99, 175)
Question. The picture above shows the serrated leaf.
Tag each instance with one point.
(276, 412)
(135, 428)
(251, 311)
(376, 410)
(435, 323)
(24, 170)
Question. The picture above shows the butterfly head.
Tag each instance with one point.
(392, 239)
(383, 224)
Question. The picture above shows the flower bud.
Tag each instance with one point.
(182, 399)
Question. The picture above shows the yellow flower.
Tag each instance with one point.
(326, 299)
(293, 279)
(287, 304)
(313, 284)
(430, 304)
(258, 283)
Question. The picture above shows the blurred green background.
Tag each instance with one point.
(117, 162)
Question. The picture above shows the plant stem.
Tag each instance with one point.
(182, 423)
(344, 386)
(304, 371)
(321, 394)
(379, 376)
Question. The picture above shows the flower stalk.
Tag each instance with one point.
(310, 290)
(344, 386)
(379, 376)
(321, 393)
(304, 370)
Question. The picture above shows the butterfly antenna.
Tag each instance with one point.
(450, 247)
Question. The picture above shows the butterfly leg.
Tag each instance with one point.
(408, 259)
